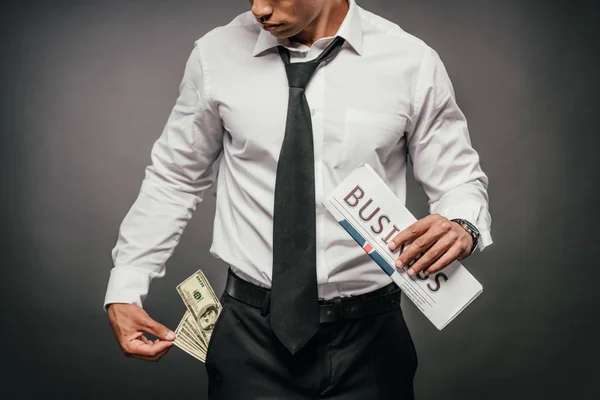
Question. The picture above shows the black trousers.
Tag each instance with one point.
(366, 358)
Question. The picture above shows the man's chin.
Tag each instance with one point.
(283, 33)
(279, 35)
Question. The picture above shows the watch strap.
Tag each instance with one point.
(469, 227)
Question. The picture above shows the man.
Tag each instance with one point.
(284, 102)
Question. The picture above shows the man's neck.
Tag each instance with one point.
(326, 24)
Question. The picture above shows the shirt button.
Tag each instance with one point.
(312, 112)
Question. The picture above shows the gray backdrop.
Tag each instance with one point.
(87, 87)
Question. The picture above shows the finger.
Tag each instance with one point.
(126, 340)
(445, 260)
(153, 358)
(413, 231)
(157, 329)
(139, 348)
(430, 256)
(408, 234)
(417, 248)
(145, 339)
(160, 354)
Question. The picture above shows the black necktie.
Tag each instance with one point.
(294, 303)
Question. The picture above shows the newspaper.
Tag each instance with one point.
(442, 296)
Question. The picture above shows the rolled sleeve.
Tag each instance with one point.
(444, 162)
(183, 166)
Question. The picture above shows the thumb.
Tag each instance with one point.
(158, 330)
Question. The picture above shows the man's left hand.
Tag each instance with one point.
(439, 240)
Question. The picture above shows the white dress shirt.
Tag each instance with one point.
(384, 97)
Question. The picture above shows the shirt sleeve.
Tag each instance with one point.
(444, 162)
(183, 166)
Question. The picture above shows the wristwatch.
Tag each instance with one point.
(469, 227)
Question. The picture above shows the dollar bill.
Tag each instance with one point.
(202, 303)
(184, 336)
(191, 323)
(196, 340)
(186, 343)
(190, 351)
(189, 340)
(203, 308)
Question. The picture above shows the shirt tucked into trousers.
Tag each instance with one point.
(365, 358)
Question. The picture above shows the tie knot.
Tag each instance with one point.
(300, 73)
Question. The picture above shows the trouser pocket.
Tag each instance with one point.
(216, 334)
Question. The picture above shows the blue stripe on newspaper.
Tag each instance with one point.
(367, 247)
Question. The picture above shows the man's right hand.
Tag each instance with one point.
(129, 322)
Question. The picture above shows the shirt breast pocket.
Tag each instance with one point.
(370, 136)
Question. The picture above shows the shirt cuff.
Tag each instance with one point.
(475, 214)
(127, 285)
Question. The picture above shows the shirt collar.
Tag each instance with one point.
(350, 30)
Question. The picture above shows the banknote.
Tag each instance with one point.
(189, 341)
(203, 308)
(185, 336)
(196, 340)
(200, 299)
(186, 343)
(189, 350)
(191, 323)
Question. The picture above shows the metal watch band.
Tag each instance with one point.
(473, 231)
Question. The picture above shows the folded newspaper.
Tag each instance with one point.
(441, 296)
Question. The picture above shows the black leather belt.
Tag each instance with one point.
(379, 301)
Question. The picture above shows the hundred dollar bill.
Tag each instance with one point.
(189, 350)
(201, 301)
(185, 336)
(192, 324)
(186, 342)
(190, 341)
(197, 340)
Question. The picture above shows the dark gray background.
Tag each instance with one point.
(87, 87)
